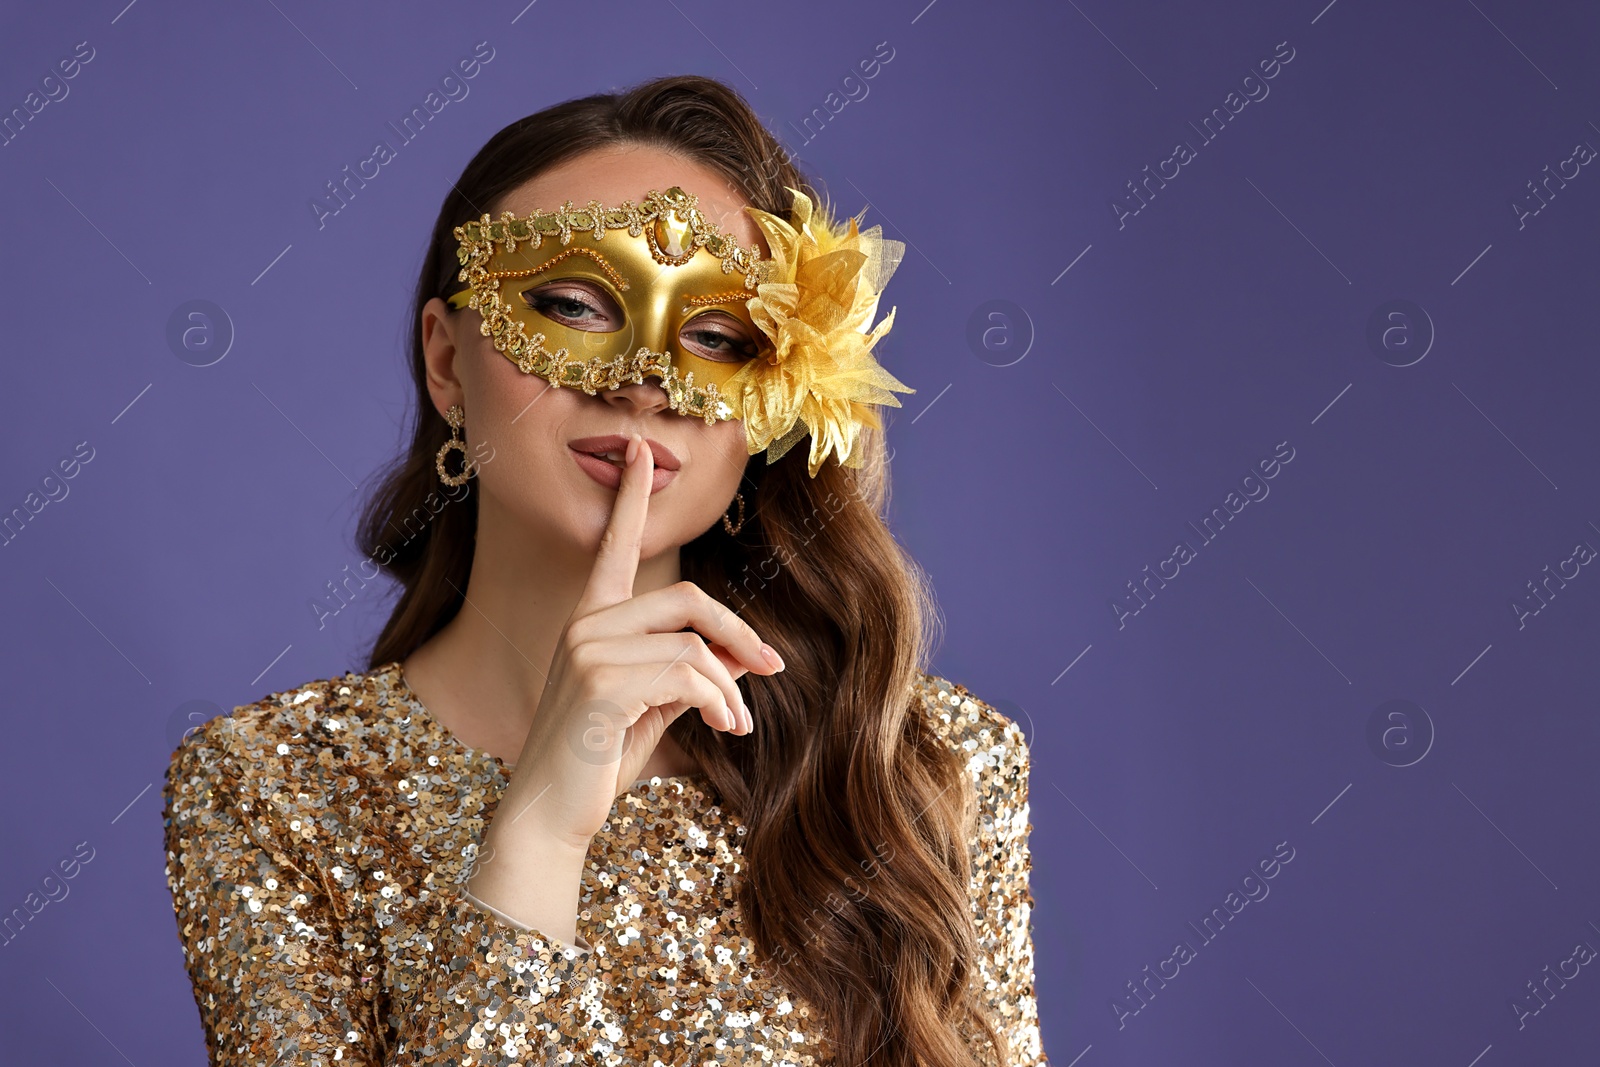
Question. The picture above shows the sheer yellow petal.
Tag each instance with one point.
(819, 376)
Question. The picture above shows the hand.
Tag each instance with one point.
(623, 670)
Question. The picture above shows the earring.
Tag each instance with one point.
(734, 527)
(456, 418)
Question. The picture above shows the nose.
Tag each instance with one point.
(637, 398)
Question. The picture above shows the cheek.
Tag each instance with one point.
(699, 500)
(724, 447)
(523, 412)
(520, 416)
(496, 378)
(521, 419)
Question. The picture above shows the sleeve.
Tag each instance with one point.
(1002, 900)
(284, 973)
(582, 946)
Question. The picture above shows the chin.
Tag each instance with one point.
(671, 523)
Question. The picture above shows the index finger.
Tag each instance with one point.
(611, 580)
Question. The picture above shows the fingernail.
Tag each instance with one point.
(633, 450)
(770, 654)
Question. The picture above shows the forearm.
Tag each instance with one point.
(278, 966)
(529, 876)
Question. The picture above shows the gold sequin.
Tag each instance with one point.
(317, 845)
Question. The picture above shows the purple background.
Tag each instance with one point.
(1172, 748)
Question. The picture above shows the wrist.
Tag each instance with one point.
(522, 819)
(531, 855)
(533, 889)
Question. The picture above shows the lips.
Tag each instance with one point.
(602, 459)
(617, 445)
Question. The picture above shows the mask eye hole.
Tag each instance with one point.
(719, 337)
(579, 305)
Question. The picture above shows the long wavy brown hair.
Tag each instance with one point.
(857, 822)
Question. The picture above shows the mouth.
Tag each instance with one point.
(602, 458)
(613, 448)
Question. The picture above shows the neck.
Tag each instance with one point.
(482, 675)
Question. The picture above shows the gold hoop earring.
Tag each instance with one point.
(734, 527)
(456, 418)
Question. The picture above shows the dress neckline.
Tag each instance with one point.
(403, 691)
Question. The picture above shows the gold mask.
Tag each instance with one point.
(808, 369)
(661, 262)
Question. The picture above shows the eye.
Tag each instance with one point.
(580, 305)
(718, 337)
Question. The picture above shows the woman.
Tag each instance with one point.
(506, 841)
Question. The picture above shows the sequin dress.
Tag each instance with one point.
(317, 845)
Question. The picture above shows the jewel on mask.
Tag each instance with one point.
(671, 241)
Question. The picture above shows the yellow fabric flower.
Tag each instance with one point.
(816, 309)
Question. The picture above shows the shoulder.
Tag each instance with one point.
(995, 754)
(994, 751)
(280, 750)
(989, 740)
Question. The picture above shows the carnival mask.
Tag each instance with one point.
(803, 365)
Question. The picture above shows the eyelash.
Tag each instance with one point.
(540, 301)
(735, 343)
(707, 336)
